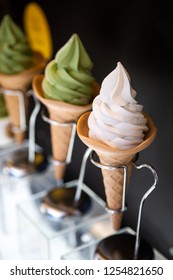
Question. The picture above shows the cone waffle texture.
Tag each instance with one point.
(63, 113)
(113, 179)
(22, 82)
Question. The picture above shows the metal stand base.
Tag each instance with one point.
(120, 246)
(63, 201)
(136, 245)
(19, 165)
(24, 162)
(59, 204)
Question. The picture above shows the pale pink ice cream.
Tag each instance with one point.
(117, 118)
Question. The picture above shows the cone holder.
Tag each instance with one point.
(48, 206)
(72, 137)
(22, 112)
(124, 207)
(24, 162)
(52, 209)
(55, 204)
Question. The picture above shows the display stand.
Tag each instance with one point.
(94, 247)
(22, 113)
(72, 138)
(22, 215)
(25, 161)
(39, 233)
(49, 238)
(67, 161)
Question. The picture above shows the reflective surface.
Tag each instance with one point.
(49, 237)
(60, 203)
(88, 251)
(121, 247)
(18, 164)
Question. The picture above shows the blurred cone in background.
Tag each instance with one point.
(20, 82)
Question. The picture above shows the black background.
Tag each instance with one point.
(139, 34)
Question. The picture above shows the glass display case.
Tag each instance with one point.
(14, 189)
(87, 251)
(28, 232)
(44, 236)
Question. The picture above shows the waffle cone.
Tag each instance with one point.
(63, 113)
(113, 179)
(22, 82)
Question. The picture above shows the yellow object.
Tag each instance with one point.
(37, 29)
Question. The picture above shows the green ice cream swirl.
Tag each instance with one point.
(67, 77)
(3, 108)
(15, 52)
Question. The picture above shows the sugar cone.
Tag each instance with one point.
(22, 82)
(113, 179)
(63, 113)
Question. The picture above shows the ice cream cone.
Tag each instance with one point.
(20, 82)
(113, 179)
(63, 113)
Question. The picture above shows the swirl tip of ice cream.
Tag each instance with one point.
(117, 119)
(73, 55)
(16, 54)
(68, 76)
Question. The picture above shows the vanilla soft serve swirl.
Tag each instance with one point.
(117, 119)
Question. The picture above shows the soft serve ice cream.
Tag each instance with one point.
(117, 118)
(68, 77)
(18, 65)
(15, 52)
(67, 90)
(116, 130)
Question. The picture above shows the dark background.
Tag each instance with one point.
(139, 34)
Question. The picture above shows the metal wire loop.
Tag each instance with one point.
(22, 112)
(113, 167)
(53, 122)
(147, 193)
(72, 137)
